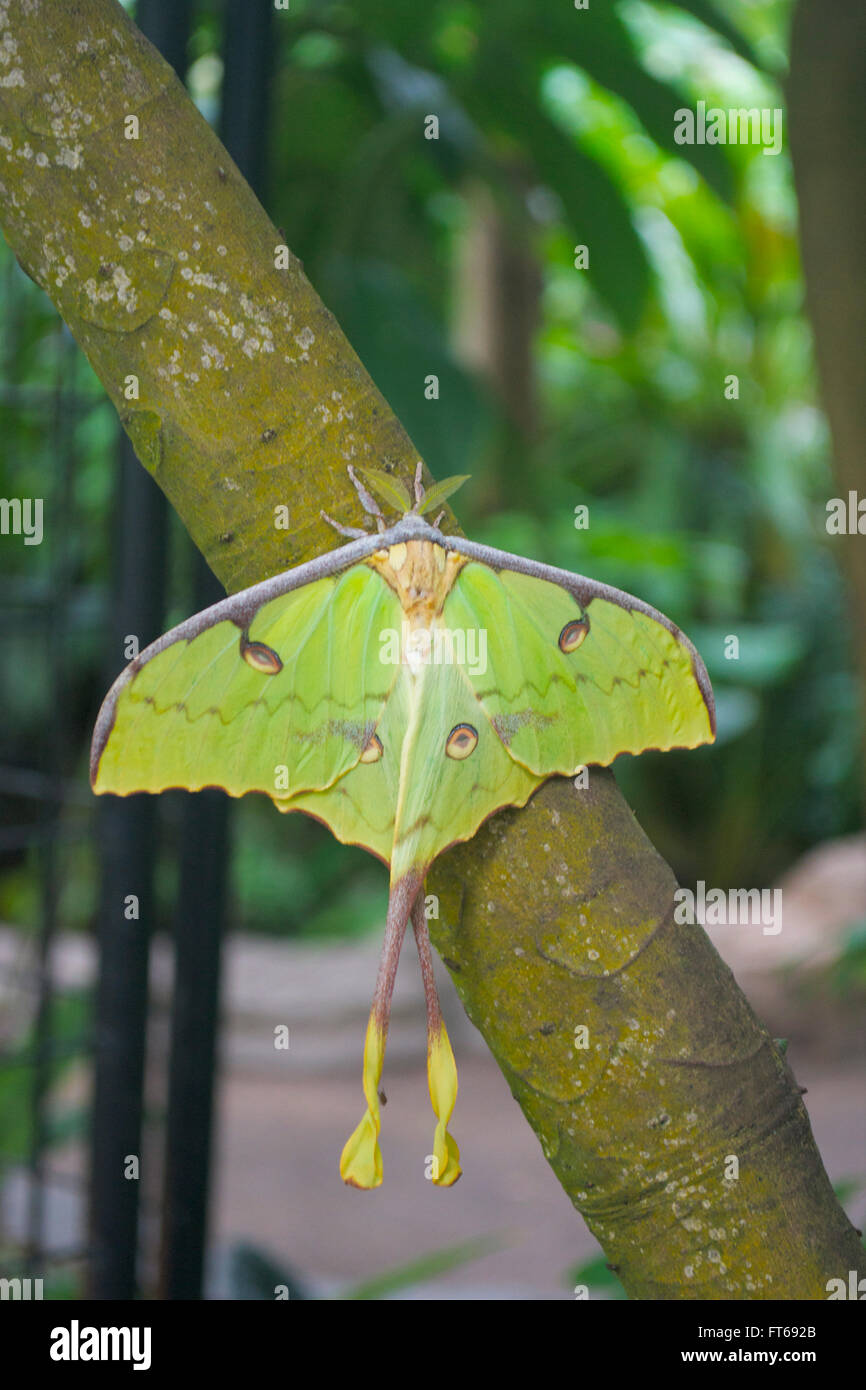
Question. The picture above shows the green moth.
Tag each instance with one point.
(402, 688)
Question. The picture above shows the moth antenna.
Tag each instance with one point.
(368, 502)
(354, 533)
(419, 488)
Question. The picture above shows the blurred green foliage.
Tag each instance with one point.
(848, 973)
(710, 508)
(597, 1277)
(68, 1025)
(251, 1273)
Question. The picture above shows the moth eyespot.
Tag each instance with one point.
(261, 657)
(573, 634)
(373, 751)
(461, 741)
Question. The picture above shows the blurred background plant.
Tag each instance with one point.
(556, 387)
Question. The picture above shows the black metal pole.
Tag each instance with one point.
(204, 861)
(127, 836)
(195, 1018)
(244, 120)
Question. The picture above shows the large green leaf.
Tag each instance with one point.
(598, 42)
(711, 15)
(596, 211)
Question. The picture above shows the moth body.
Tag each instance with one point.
(402, 689)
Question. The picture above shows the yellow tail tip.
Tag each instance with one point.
(361, 1159)
(446, 1158)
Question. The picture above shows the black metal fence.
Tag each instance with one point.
(90, 599)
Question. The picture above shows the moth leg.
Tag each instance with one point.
(419, 488)
(368, 502)
(355, 533)
(441, 1068)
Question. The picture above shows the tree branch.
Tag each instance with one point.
(249, 398)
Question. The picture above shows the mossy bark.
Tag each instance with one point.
(249, 399)
(673, 1122)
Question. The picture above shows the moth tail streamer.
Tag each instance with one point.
(361, 1159)
(441, 1067)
